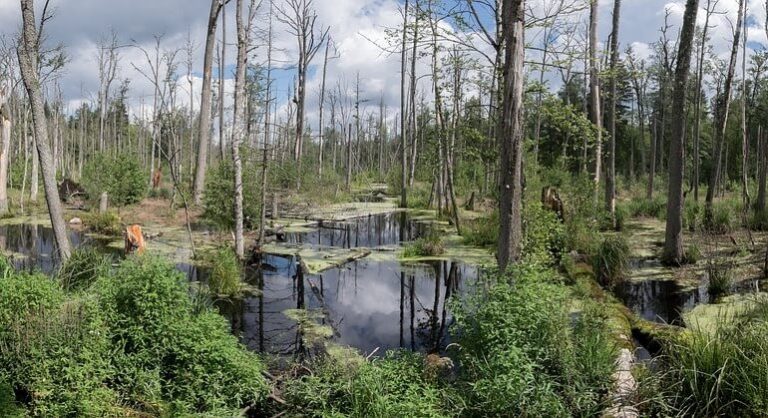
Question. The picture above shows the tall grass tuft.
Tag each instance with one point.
(83, 268)
(226, 272)
(429, 245)
(720, 277)
(611, 260)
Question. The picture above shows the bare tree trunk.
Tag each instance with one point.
(721, 118)
(511, 135)
(673, 243)
(745, 198)
(321, 127)
(204, 130)
(403, 136)
(239, 119)
(697, 111)
(35, 175)
(5, 144)
(28, 51)
(594, 88)
(610, 172)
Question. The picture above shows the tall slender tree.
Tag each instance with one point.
(29, 55)
(510, 134)
(673, 243)
(204, 126)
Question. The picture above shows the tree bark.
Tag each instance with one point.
(594, 88)
(28, 51)
(403, 137)
(204, 129)
(610, 174)
(673, 243)
(511, 135)
(721, 119)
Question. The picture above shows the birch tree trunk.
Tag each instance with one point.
(594, 88)
(610, 172)
(28, 51)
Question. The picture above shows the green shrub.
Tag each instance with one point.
(650, 208)
(107, 223)
(83, 267)
(521, 356)
(122, 177)
(723, 218)
(720, 274)
(692, 254)
(394, 386)
(481, 232)
(429, 245)
(54, 353)
(218, 204)
(543, 235)
(226, 272)
(692, 214)
(611, 260)
(171, 355)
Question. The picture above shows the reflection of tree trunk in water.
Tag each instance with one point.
(261, 309)
(402, 303)
(411, 285)
(450, 281)
(435, 337)
(402, 226)
(300, 349)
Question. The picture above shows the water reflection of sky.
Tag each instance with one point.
(369, 304)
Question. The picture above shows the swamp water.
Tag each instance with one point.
(663, 300)
(371, 303)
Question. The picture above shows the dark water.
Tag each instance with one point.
(665, 301)
(33, 247)
(367, 304)
(365, 231)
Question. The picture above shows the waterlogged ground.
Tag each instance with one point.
(680, 296)
(327, 283)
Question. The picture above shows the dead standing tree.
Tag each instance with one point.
(204, 130)
(244, 28)
(301, 18)
(29, 54)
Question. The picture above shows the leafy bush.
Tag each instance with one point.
(226, 272)
(394, 386)
(122, 177)
(427, 246)
(644, 207)
(169, 352)
(520, 356)
(133, 344)
(481, 232)
(543, 235)
(83, 267)
(219, 189)
(692, 215)
(54, 354)
(611, 260)
(107, 223)
(723, 217)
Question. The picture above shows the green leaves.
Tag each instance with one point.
(122, 177)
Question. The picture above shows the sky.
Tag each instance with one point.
(357, 28)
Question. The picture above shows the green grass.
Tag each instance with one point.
(83, 268)
(107, 223)
(430, 245)
(226, 272)
(720, 277)
(611, 260)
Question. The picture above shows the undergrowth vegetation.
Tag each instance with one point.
(132, 344)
